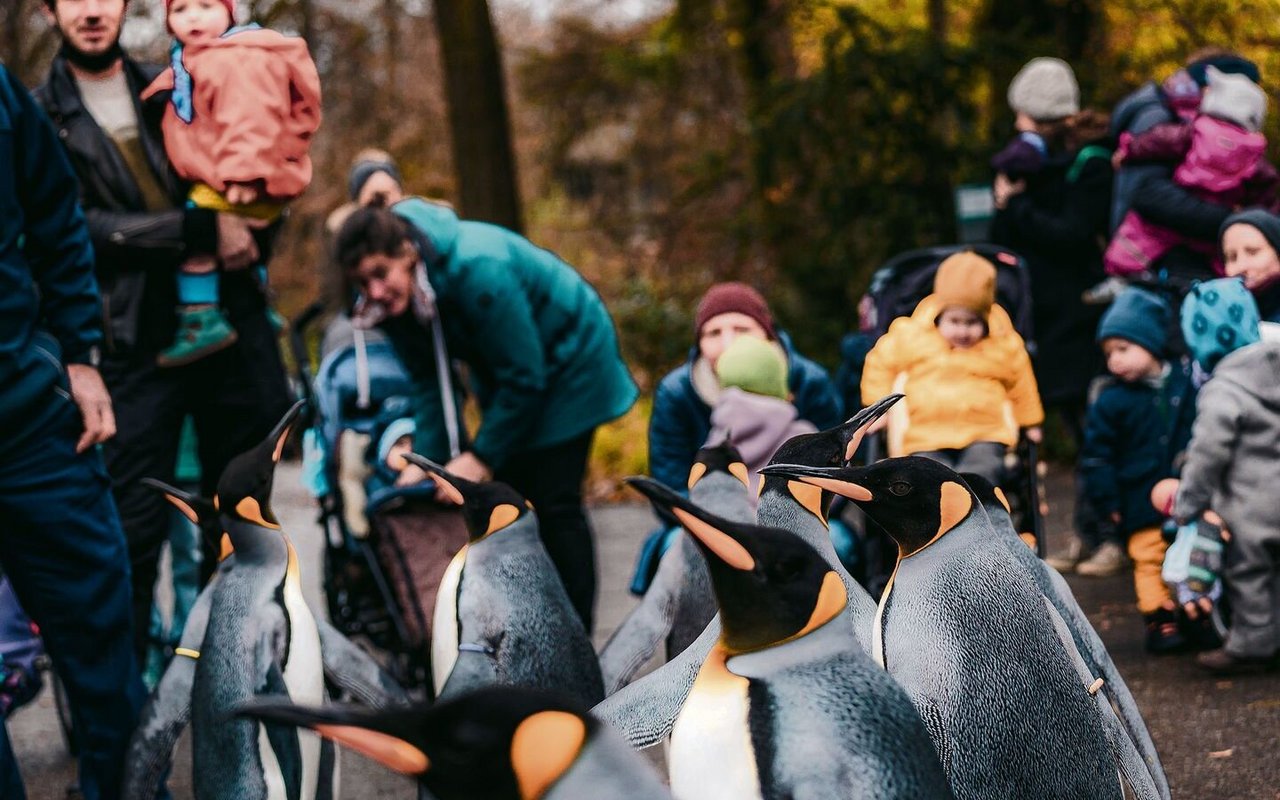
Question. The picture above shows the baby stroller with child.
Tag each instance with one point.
(896, 289)
(386, 547)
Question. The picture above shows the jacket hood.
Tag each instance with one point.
(998, 322)
(437, 223)
(1254, 370)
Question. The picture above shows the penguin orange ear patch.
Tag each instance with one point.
(249, 510)
(502, 516)
(543, 748)
(809, 497)
(390, 751)
(725, 547)
(695, 473)
(955, 505)
(739, 470)
(1004, 501)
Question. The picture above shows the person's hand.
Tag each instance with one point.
(236, 247)
(468, 467)
(1003, 189)
(411, 474)
(241, 194)
(90, 394)
(1035, 434)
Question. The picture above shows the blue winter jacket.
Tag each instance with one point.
(681, 420)
(50, 314)
(1136, 435)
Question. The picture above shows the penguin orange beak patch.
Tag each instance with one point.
(390, 751)
(843, 488)
(726, 548)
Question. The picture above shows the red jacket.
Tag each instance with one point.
(255, 107)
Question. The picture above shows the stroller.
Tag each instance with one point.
(386, 549)
(23, 663)
(896, 288)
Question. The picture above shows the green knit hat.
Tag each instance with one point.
(753, 365)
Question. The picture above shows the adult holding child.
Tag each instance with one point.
(540, 348)
(143, 229)
(682, 405)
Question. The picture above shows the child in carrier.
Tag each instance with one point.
(389, 460)
(754, 411)
(1231, 466)
(965, 372)
(1136, 430)
(245, 104)
(1223, 160)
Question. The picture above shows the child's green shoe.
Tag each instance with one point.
(202, 331)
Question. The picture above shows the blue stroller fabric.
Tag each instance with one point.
(20, 648)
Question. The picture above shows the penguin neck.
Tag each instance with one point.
(780, 510)
(914, 536)
(518, 530)
(254, 544)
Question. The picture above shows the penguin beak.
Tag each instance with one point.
(709, 530)
(193, 507)
(449, 487)
(856, 427)
(838, 480)
(371, 734)
(280, 434)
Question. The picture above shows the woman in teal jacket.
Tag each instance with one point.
(540, 348)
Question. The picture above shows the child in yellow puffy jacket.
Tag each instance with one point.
(964, 370)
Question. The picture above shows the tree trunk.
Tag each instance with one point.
(478, 120)
(938, 20)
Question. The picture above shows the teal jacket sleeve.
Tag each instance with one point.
(500, 323)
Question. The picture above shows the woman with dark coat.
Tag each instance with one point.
(1056, 218)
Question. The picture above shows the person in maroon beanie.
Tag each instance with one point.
(681, 416)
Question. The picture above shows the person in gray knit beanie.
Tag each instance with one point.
(1045, 89)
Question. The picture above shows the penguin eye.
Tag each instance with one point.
(900, 488)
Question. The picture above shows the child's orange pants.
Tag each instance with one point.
(1146, 548)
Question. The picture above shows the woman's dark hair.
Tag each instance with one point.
(367, 232)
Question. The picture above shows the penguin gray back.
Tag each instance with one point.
(502, 615)
(969, 636)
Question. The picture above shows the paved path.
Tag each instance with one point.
(1218, 739)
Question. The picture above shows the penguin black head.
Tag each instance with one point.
(722, 457)
(916, 500)
(996, 504)
(496, 742)
(833, 447)
(244, 490)
(487, 507)
(200, 510)
(770, 584)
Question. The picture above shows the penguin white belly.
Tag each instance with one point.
(304, 674)
(444, 622)
(711, 755)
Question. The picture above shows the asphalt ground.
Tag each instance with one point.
(1217, 738)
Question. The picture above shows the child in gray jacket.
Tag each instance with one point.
(1232, 465)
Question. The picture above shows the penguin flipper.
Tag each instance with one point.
(352, 669)
(168, 710)
(640, 634)
(1135, 728)
(283, 738)
(644, 712)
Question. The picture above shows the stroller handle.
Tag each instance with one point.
(298, 347)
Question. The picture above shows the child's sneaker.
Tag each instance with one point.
(1107, 560)
(1163, 634)
(202, 331)
(1066, 560)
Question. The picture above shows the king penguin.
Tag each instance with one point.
(249, 634)
(679, 602)
(787, 704)
(502, 615)
(1136, 752)
(970, 637)
(497, 743)
(646, 710)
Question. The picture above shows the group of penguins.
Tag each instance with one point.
(976, 675)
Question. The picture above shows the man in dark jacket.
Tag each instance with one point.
(142, 231)
(60, 544)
